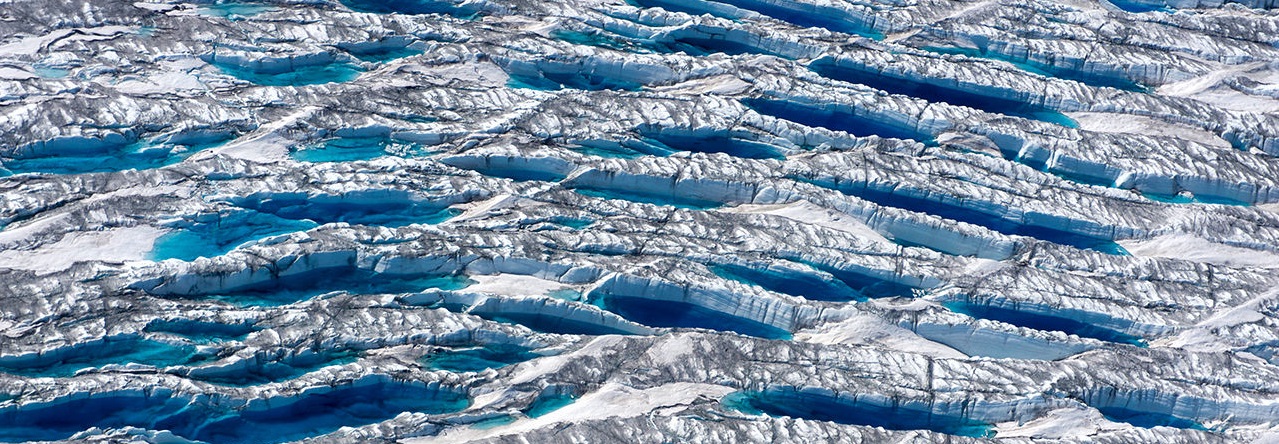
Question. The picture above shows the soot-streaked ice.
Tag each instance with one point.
(639, 221)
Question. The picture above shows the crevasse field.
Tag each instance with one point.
(650, 221)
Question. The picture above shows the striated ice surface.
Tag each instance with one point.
(642, 221)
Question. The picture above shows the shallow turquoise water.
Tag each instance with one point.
(51, 73)
(547, 403)
(1185, 199)
(491, 356)
(218, 234)
(139, 155)
(309, 285)
(119, 351)
(335, 72)
(347, 149)
(494, 422)
(234, 10)
(201, 332)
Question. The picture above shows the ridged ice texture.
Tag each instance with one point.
(639, 221)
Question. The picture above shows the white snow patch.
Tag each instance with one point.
(1211, 88)
(162, 83)
(726, 84)
(672, 349)
(538, 367)
(480, 210)
(513, 285)
(1060, 424)
(12, 235)
(866, 329)
(32, 45)
(267, 144)
(475, 73)
(1204, 337)
(11, 73)
(983, 267)
(158, 7)
(810, 213)
(1133, 124)
(1188, 247)
(118, 245)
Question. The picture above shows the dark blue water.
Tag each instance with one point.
(866, 285)
(277, 371)
(713, 143)
(697, 46)
(828, 18)
(1140, 7)
(201, 332)
(69, 417)
(1043, 322)
(551, 323)
(792, 283)
(1148, 419)
(390, 208)
(311, 415)
(381, 53)
(215, 234)
(822, 407)
(683, 315)
(974, 217)
(478, 359)
(933, 93)
(120, 351)
(572, 222)
(318, 414)
(548, 402)
(1087, 78)
(333, 72)
(670, 201)
(835, 119)
(454, 8)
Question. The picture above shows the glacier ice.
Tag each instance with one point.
(665, 220)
